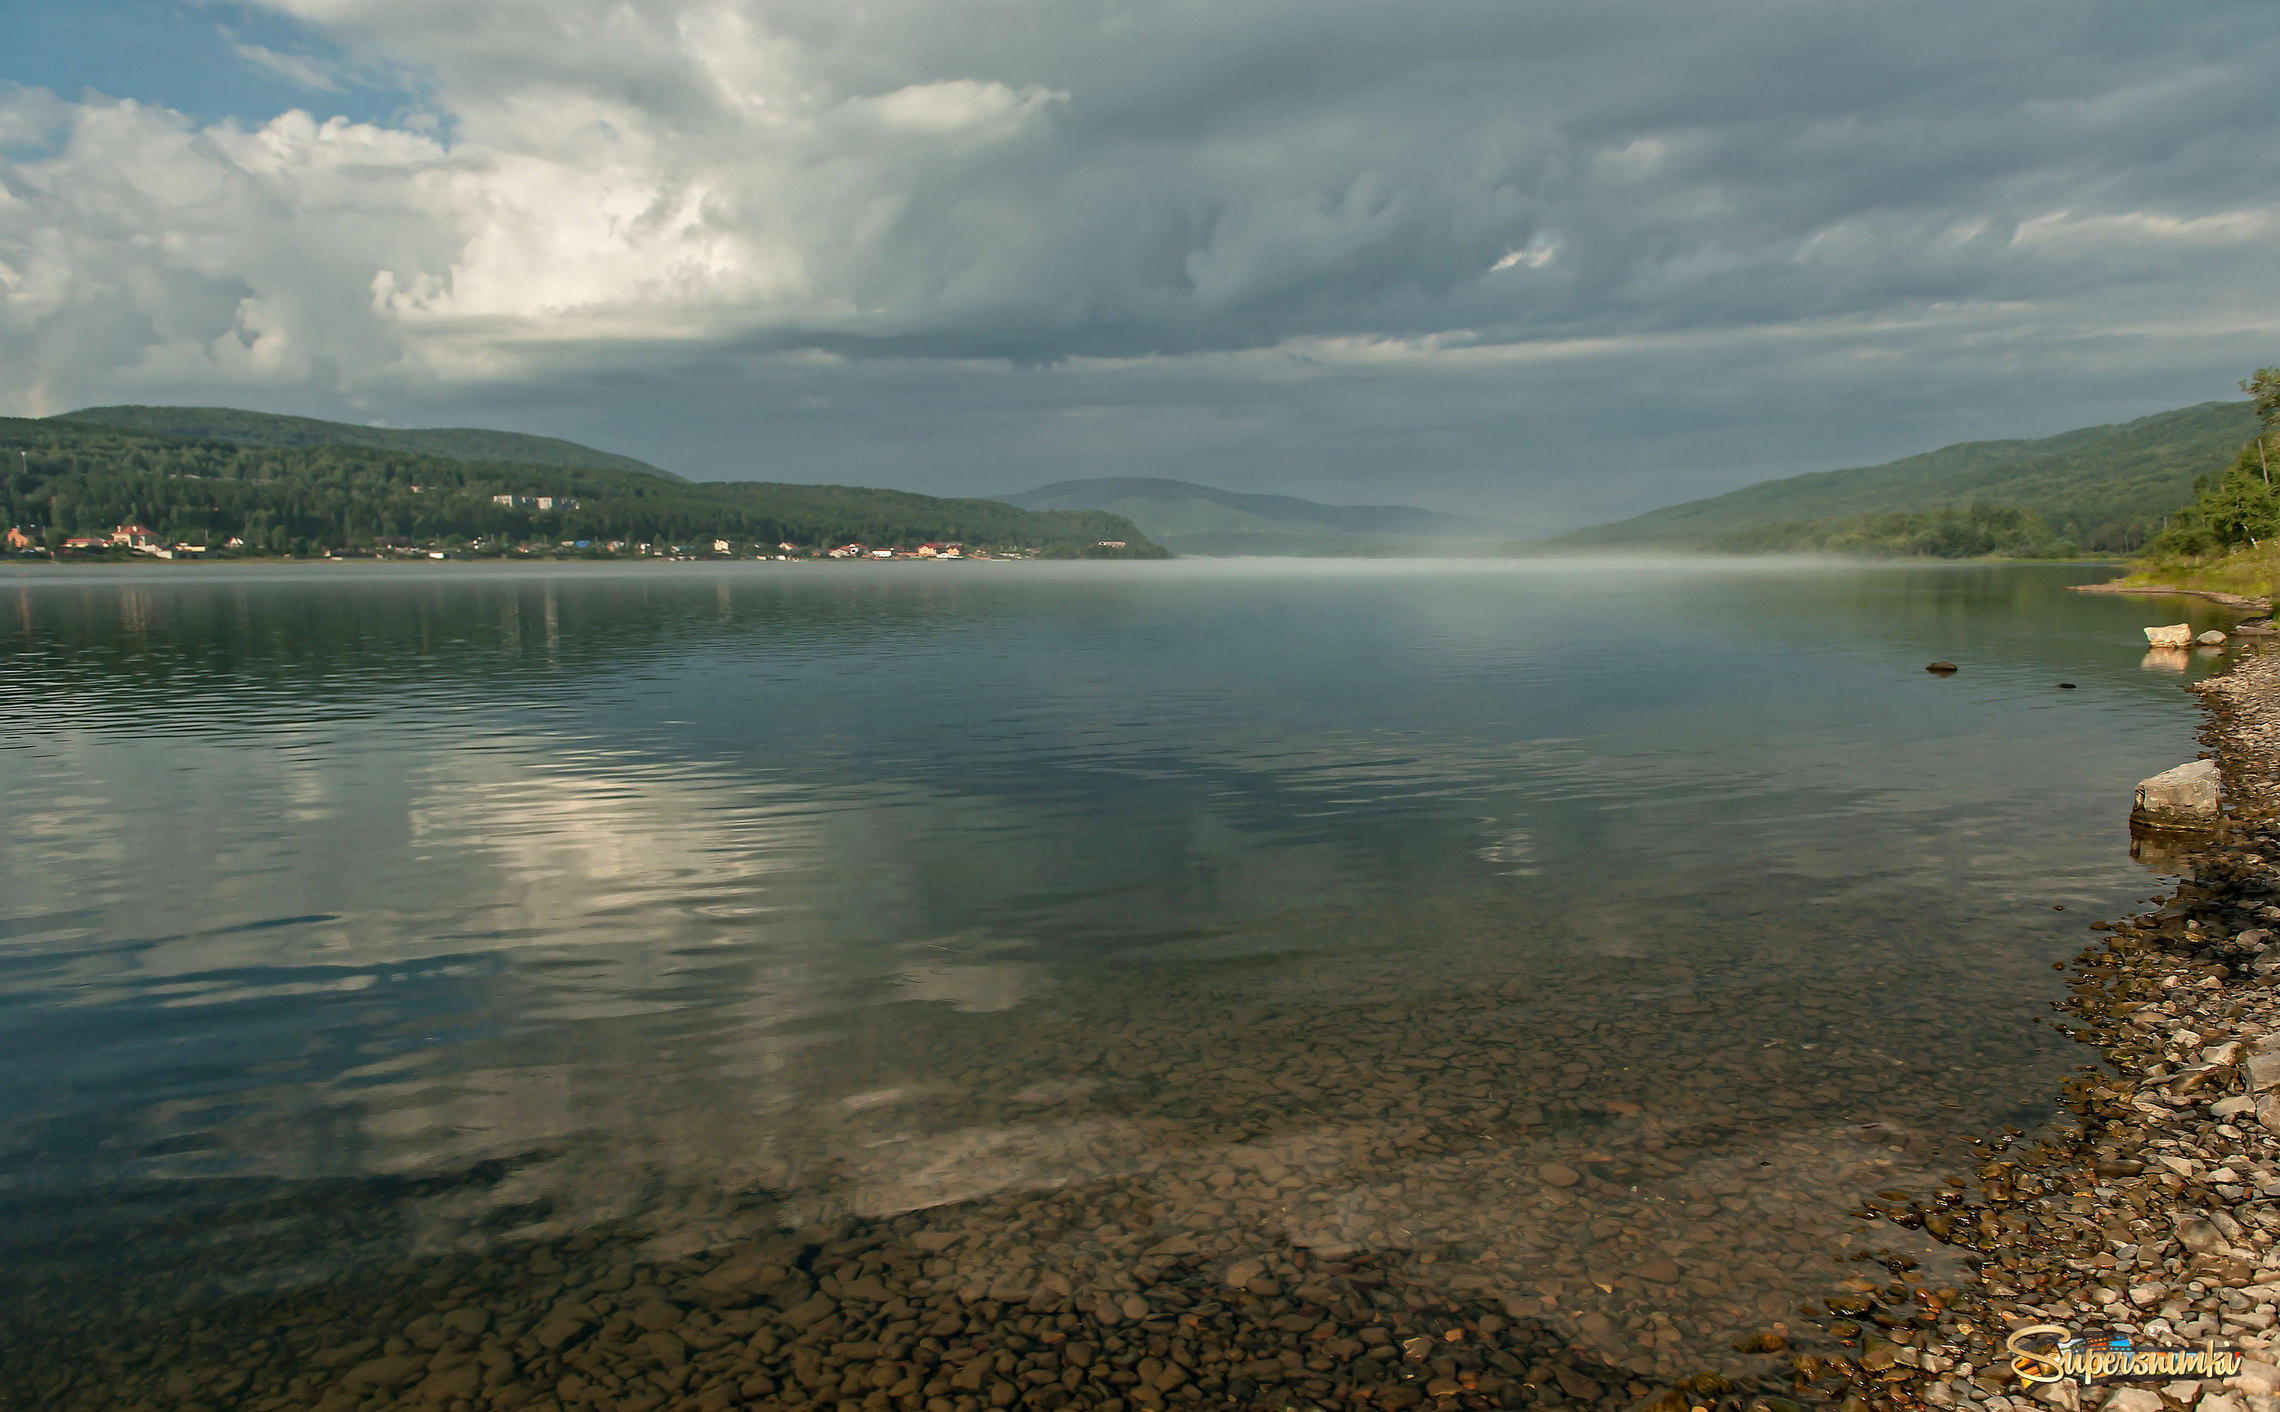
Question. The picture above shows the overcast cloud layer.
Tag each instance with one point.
(1558, 261)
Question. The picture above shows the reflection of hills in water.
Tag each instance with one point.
(1025, 948)
(404, 635)
(361, 639)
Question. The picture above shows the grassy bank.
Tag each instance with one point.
(2253, 572)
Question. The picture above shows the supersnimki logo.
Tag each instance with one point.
(2052, 1353)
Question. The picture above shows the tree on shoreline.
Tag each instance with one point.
(2240, 506)
(2263, 389)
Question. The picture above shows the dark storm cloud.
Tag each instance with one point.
(1563, 261)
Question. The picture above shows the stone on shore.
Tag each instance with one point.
(2263, 1073)
(2157, 1212)
(2175, 635)
(2182, 798)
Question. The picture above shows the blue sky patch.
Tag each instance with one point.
(210, 61)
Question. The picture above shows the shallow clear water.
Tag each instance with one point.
(1253, 942)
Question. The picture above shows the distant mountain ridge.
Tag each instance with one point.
(1202, 519)
(2104, 488)
(243, 428)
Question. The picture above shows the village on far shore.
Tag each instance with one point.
(129, 540)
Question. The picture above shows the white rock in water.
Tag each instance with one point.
(2211, 638)
(2185, 797)
(2175, 635)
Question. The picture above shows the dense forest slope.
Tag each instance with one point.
(2105, 489)
(269, 429)
(63, 476)
(1202, 519)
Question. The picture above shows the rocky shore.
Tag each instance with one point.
(2154, 1211)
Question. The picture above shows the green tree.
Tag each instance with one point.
(2263, 389)
(2238, 507)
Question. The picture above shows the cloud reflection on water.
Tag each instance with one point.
(1353, 896)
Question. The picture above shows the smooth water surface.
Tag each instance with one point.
(1199, 965)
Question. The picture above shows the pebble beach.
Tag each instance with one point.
(2153, 1212)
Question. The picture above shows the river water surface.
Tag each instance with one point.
(961, 985)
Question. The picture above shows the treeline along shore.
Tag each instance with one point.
(2190, 482)
(70, 488)
(2226, 543)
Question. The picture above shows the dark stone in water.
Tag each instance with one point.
(1941, 668)
(2066, 686)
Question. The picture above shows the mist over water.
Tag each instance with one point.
(1577, 942)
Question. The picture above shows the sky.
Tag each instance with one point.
(1555, 263)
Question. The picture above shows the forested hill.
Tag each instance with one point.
(66, 477)
(269, 429)
(2104, 489)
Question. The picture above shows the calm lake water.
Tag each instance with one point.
(959, 985)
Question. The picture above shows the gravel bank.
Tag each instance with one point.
(2155, 1212)
(2241, 602)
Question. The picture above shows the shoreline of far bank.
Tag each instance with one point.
(147, 564)
(2244, 603)
(2154, 1214)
